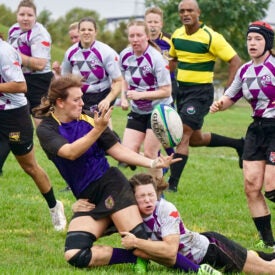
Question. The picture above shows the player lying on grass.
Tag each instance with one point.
(169, 238)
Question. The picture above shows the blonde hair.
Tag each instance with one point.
(155, 10)
(73, 26)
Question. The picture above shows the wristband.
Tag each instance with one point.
(154, 163)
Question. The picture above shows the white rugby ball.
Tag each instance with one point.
(166, 125)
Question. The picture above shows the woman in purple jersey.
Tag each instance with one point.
(170, 239)
(255, 81)
(77, 144)
(147, 83)
(16, 129)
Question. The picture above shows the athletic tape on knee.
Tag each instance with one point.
(270, 195)
(79, 240)
(82, 258)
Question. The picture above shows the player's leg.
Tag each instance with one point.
(256, 265)
(259, 210)
(4, 152)
(79, 249)
(151, 149)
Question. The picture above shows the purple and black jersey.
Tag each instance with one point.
(89, 167)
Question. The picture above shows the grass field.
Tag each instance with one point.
(210, 197)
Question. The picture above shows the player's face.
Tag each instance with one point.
(74, 36)
(146, 198)
(26, 18)
(154, 23)
(71, 107)
(87, 33)
(138, 39)
(189, 12)
(255, 44)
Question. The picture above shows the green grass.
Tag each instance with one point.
(210, 197)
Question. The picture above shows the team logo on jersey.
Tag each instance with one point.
(146, 70)
(272, 157)
(109, 202)
(14, 136)
(265, 80)
(191, 110)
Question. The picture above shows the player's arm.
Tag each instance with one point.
(116, 88)
(161, 92)
(77, 148)
(13, 87)
(222, 104)
(163, 252)
(234, 64)
(33, 63)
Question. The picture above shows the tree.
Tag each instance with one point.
(228, 17)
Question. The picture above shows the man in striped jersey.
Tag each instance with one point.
(194, 50)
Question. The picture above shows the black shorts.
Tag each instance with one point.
(193, 103)
(91, 100)
(260, 141)
(139, 122)
(224, 253)
(16, 127)
(38, 85)
(110, 194)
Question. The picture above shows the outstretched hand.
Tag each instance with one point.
(101, 119)
(164, 161)
(216, 106)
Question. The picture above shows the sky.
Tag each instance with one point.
(105, 8)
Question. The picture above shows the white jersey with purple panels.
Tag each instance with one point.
(35, 42)
(165, 221)
(10, 71)
(256, 83)
(145, 73)
(98, 65)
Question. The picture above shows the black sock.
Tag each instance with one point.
(222, 141)
(140, 231)
(263, 225)
(176, 169)
(50, 198)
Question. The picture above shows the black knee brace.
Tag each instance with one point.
(80, 240)
(270, 195)
(139, 231)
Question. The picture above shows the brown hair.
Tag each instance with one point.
(143, 179)
(88, 19)
(155, 10)
(28, 4)
(143, 24)
(58, 89)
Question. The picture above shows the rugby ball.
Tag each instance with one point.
(166, 125)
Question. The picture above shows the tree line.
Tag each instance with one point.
(228, 17)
